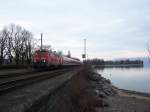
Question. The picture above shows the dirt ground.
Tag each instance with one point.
(127, 102)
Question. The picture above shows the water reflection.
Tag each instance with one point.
(137, 78)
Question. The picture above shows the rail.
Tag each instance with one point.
(24, 80)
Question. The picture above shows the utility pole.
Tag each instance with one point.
(41, 40)
(84, 49)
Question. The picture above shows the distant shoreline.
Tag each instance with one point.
(132, 92)
(121, 65)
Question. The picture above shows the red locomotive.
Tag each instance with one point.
(44, 59)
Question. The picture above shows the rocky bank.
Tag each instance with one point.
(88, 91)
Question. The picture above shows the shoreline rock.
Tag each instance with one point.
(119, 100)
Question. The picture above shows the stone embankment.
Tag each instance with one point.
(85, 92)
(119, 100)
(103, 86)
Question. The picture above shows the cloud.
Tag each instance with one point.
(110, 27)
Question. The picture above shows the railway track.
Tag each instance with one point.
(5, 76)
(12, 83)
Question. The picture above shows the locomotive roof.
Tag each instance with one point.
(49, 51)
(55, 53)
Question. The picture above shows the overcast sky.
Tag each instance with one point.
(113, 28)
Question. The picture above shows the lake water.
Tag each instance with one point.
(137, 79)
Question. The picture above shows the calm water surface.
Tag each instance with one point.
(137, 79)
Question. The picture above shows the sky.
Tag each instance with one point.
(113, 28)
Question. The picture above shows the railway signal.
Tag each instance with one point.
(84, 55)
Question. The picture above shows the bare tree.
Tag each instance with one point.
(16, 43)
(69, 54)
(3, 41)
(22, 45)
(148, 49)
(48, 47)
(27, 45)
(59, 52)
(19, 44)
(10, 42)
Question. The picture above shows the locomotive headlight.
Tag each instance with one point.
(43, 60)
